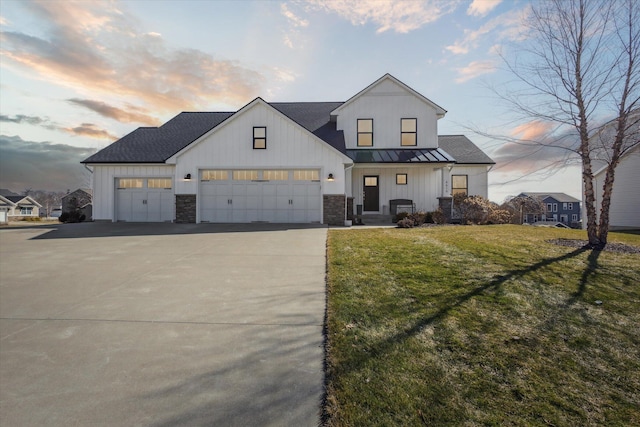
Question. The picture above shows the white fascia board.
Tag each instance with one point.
(440, 112)
(173, 159)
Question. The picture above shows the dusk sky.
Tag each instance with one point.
(75, 76)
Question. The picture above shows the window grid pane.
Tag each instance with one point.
(365, 132)
(215, 175)
(164, 183)
(408, 132)
(275, 175)
(259, 138)
(130, 183)
(459, 184)
(306, 175)
(243, 175)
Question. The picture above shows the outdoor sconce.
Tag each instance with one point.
(330, 177)
(187, 177)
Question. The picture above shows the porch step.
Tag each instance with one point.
(371, 219)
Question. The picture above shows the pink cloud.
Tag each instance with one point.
(95, 49)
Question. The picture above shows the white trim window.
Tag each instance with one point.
(26, 210)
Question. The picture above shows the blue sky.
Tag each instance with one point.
(74, 76)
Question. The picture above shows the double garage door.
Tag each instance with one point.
(144, 200)
(284, 196)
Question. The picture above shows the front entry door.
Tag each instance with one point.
(371, 194)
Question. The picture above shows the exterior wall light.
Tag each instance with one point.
(187, 177)
(330, 177)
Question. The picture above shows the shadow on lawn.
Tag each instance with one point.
(386, 345)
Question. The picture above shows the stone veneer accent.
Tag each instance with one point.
(446, 204)
(185, 208)
(333, 209)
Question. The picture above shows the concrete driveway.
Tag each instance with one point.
(161, 325)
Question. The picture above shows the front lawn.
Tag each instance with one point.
(481, 325)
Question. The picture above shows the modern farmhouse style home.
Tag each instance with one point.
(298, 162)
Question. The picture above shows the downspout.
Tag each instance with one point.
(345, 190)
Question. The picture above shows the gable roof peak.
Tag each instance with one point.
(440, 112)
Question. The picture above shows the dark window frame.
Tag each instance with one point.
(414, 133)
(466, 188)
(259, 138)
(358, 132)
(406, 178)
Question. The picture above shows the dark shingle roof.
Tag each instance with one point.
(463, 150)
(560, 197)
(156, 145)
(314, 117)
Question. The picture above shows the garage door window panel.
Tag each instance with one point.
(245, 175)
(162, 183)
(275, 175)
(124, 183)
(306, 175)
(215, 175)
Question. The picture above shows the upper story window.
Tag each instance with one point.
(408, 132)
(365, 132)
(459, 184)
(259, 138)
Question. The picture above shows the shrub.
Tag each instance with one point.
(499, 216)
(401, 216)
(439, 217)
(31, 218)
(406, 223)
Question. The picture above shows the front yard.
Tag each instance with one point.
(481, 325)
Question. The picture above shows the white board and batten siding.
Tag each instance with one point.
(423, 185)
(477, 179)
(624, 212)
(289, 148)
(387, 103)
(107, 204)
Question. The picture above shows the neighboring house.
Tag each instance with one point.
(18, 206)
(558, 207)
(294, 162)
(81, 199)
(5, 205)
(624, 212)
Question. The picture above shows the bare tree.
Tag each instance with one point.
(521, 205)
(579, 66)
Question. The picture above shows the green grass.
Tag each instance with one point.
(481, 325)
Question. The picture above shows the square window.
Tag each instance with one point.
(365, 132)
(408, 132)
(259, 138)
(401, 179)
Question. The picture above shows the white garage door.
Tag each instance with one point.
(284, 196)
(3, 216)
(144, 200)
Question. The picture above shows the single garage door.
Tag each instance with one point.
(144, 200)
(284, 196)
